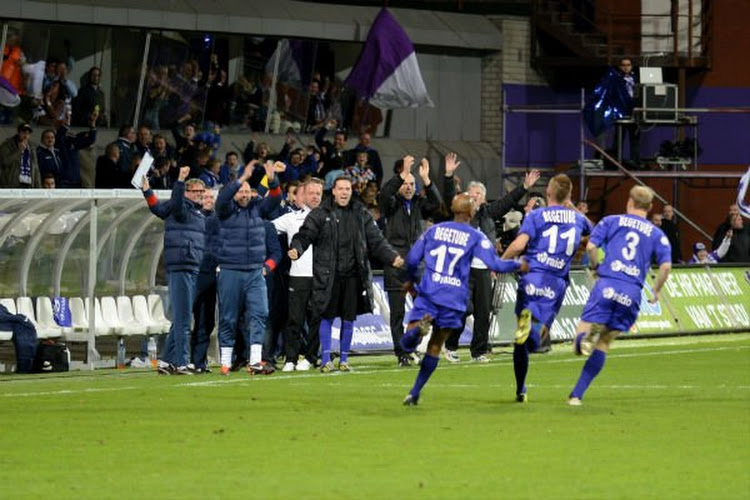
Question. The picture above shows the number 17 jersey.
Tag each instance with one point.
(447, 250)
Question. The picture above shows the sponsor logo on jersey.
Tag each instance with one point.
(547, 292)
(609, 293)
(545, 259)
(445, 280)
(620, 267)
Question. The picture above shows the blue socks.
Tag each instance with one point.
(325, 340)
(520, 366)
(591, 369)
(521, 355)
(410, 340)
(347, 332)
(428, 365)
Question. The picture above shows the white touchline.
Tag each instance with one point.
(336, 377)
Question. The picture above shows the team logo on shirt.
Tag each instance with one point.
(609, 293)
(546, 292)
(664, 241)
(620, 267)
(446, 280)
(544, 258)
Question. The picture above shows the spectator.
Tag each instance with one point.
(48, 181)
(50, 72)
(670, 229)
(157, 96)
(331, 152)
(184, 243)
(656, 219)
(18, 165)
(230, 170)
(125, 140)
(186, 150)
(361, 173)
(316, 109)
(143, 141)
(210, 174)
(404, 214)
(159, 176)
(108, 174)
(70, 145)
(13, 60)
(739, 248)
(52, 109)
(583, 207)
(702, 256)
(90, 99)
(48, 156)
(480, 279)
(241, 258)
(300, 310)
(373, 157)
(342, 286)
(71, 89)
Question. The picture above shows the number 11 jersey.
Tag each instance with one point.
(554, 235)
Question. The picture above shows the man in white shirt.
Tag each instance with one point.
(300, 311)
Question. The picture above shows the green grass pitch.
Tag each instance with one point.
(666, 418)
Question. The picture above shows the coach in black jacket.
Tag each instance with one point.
(404, 214)
(480, 279)
(342, 232)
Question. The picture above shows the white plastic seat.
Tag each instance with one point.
(25, 306)
(156, 308)
(111, 317)
(10, 305)
(143, 315)
(45, 315)
(79, 320)
(103, 327)
(125, 313)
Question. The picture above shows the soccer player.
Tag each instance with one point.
(550, 236)
(447, 250)
(630, 243)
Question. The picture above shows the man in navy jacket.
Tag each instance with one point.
(241, 256)
(184, 242)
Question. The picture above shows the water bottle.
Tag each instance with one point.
(121, 354)
(152, 356)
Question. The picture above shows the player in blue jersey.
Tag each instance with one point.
(630, 243)
(550, 236)
(447, 250)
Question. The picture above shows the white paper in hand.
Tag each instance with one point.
(143, 167)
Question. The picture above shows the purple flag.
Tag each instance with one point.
(387, 72)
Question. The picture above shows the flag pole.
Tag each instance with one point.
(272, 91)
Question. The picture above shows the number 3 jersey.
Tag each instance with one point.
(447, 250)
(554, 235)
(631, 243)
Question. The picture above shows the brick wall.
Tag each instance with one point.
(510, 65)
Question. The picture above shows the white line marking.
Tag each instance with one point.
(361, 370)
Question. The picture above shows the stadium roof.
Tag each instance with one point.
(287, 18)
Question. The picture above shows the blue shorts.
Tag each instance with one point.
(613, 303)
(541, 294)
(444, 317)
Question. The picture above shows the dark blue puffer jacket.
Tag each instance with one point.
(184, 229)
(208, 265)
(242, 234)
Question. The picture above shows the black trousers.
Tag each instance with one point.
(301, 313)
(480, 305)
(204, 318)
(397, 303)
